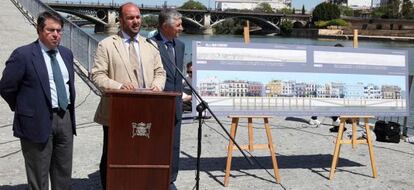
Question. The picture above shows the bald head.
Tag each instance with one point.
(130, 19)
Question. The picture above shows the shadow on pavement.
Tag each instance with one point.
(319, 164)
(297, 119)
(93, 182)
(284, 162)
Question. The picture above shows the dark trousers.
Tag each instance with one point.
(104, 157)
(176, 151)
(53, 157)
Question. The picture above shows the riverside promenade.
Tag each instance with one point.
(304, 152)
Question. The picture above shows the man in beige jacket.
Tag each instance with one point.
(125, 61)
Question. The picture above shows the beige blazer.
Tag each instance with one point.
(112, 68)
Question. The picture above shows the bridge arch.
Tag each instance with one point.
(192, 22)
(262, 22)
(299, 24)
(92, 19)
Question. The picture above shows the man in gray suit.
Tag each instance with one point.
(172, 49)
(125, 61)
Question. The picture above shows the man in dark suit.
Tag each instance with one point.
(38, 85)
(172, 51)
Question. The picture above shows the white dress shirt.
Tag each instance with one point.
(63, 69)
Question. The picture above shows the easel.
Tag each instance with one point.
(354, 141)
(251, 146)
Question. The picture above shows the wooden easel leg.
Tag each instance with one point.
(233, 129)
(337, 148)
(272, 150)
(250, 129)
(371, 148)
(354, 133)
(341, 137)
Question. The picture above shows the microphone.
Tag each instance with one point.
(163, 56)
(152, 43)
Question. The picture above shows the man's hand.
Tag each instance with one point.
(155, 89)
(127, 86)
(186, 97)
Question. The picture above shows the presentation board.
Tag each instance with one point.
(300, 80)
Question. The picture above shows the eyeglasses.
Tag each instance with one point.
(189, 72)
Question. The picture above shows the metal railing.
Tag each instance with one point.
(81, 43)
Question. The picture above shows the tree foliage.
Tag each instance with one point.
(150, 21)
(333, 22)
(264, 8)
(326, 11)
(191, 4)
(286, 11)
(230, 26)
(346, 11)
(393, 9)
(303, 9)
(407, 10)
(286, 27)
(379, 12)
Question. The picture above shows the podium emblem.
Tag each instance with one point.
(141, 129)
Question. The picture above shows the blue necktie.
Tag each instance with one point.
(59, 83)
(171, 54)
(170, 50)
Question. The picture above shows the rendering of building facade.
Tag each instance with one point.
(212, 86)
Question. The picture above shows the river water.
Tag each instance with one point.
(187, 39)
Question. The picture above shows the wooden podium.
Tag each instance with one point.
(141, 128)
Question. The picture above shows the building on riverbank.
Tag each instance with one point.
(251, 4)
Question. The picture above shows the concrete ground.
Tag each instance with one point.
(304, 152)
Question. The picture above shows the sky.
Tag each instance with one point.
(309, 4)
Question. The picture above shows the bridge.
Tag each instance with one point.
(104, 16)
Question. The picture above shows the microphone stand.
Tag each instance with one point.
(202, 106)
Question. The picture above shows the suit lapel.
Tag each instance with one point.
(163, 51)
(41, 70)
(68, 63)
(120, 47)
(69, 67)
(179, 54)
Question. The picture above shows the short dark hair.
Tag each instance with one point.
(43, 16)
(338, 45)
(167, 16)
(122, 7)
(189, 64)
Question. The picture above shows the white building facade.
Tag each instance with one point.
(209, 86)
(363, 4)
(250, 4)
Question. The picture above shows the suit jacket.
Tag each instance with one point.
(174, 80)
(112, 68)
(25, 87)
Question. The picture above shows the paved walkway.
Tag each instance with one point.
(304, 152)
